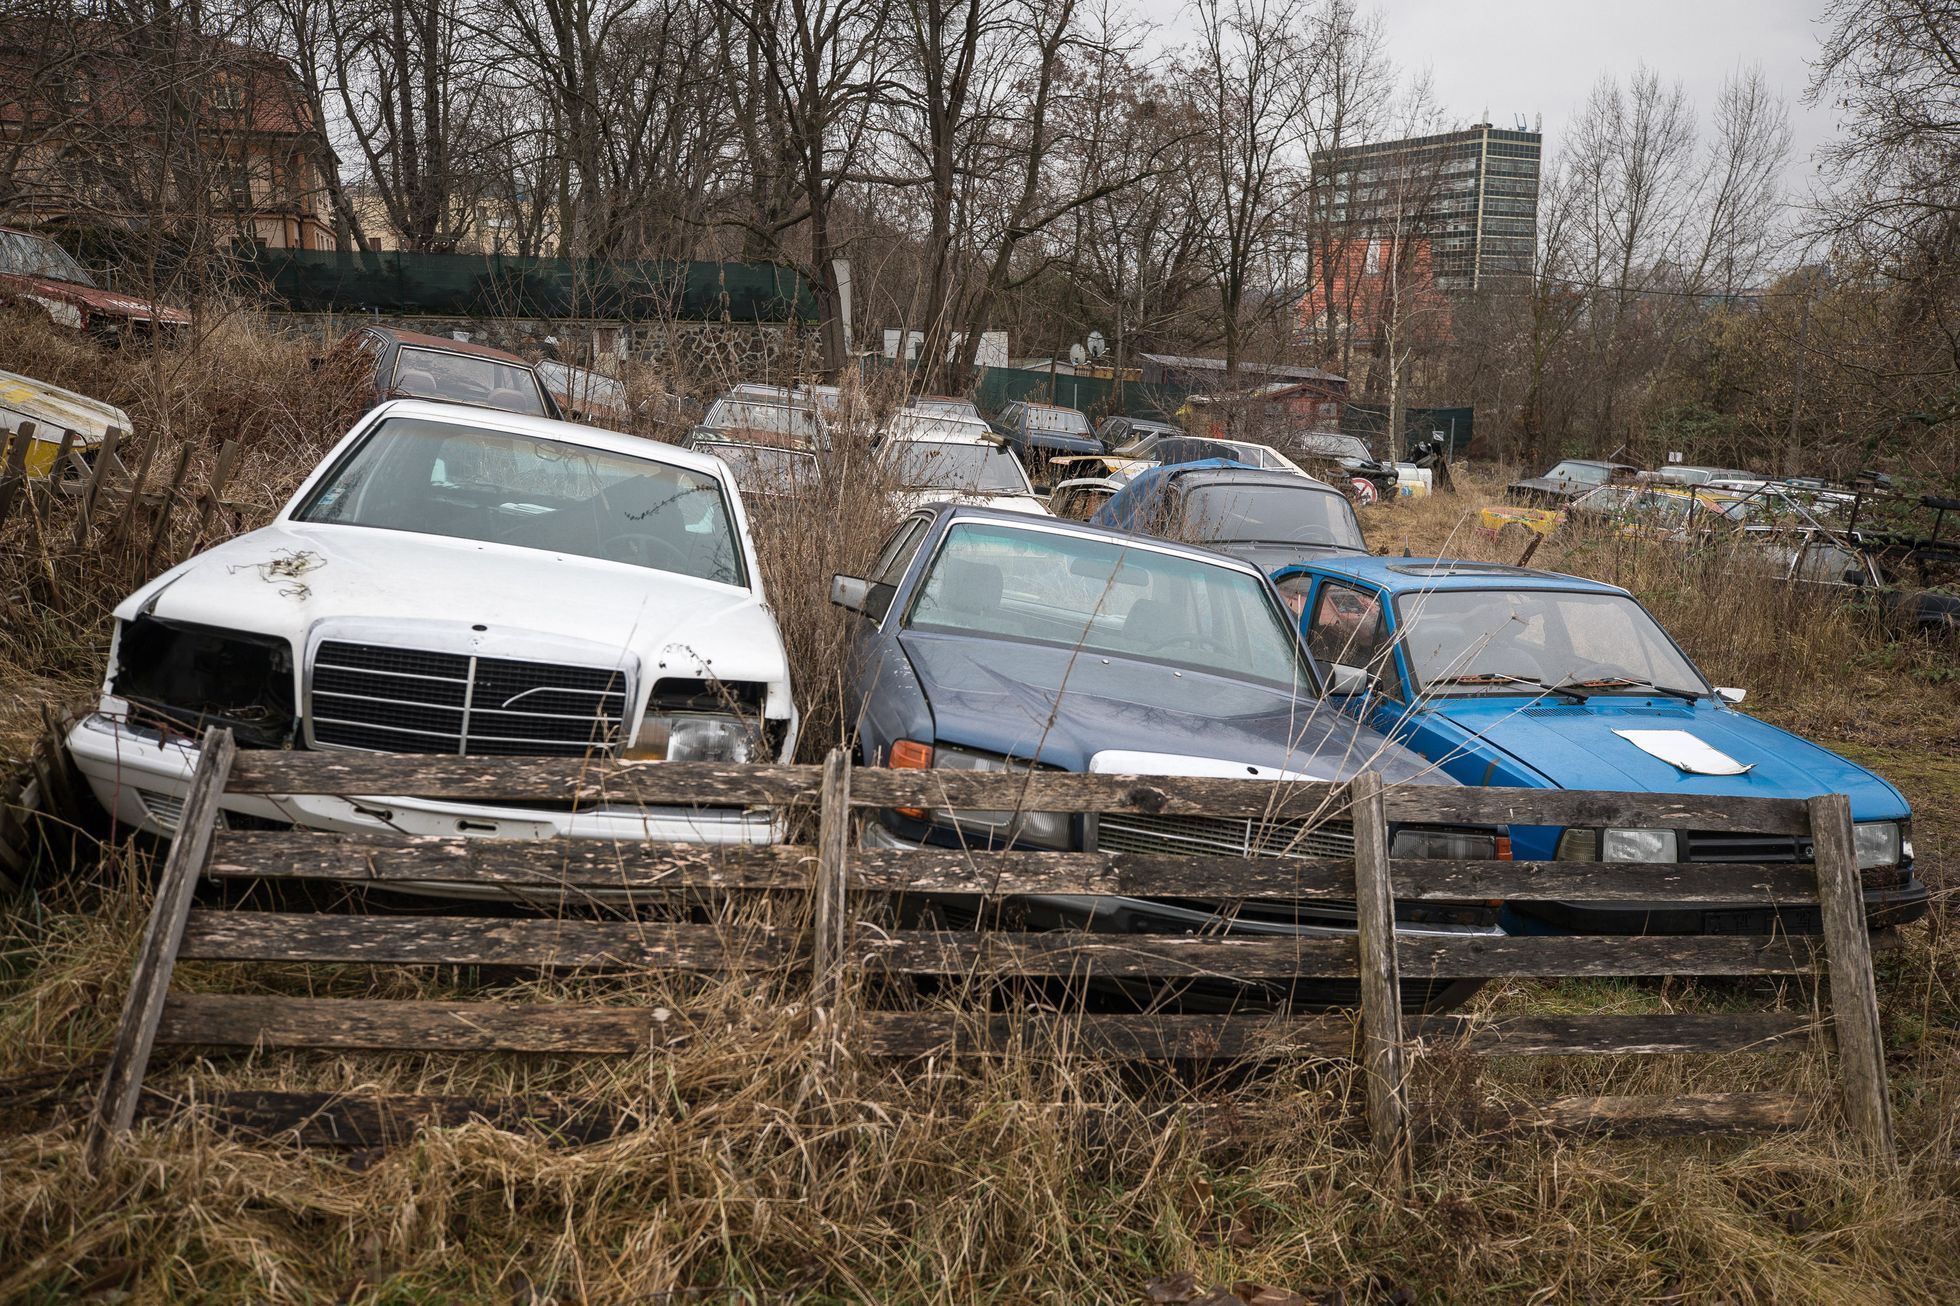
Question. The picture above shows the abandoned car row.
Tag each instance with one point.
(459, 578)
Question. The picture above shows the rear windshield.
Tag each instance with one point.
(777, 419)
(467, 379)
(1583, 473)
(1060, 421)
(1271, 514)
(764, 469)
(965, 468)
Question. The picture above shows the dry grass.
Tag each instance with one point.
(1025, 1178)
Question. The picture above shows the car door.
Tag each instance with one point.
(878, 715)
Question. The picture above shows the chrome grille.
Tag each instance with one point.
(400, 700)
(1239, 836)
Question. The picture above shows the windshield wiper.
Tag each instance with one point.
(1628, 682)
(1503, 678)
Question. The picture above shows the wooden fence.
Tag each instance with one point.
(845, 941)
(113, 480)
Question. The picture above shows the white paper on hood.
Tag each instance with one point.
(1120, 761)
(1684, 752)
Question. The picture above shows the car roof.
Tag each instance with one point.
(422, 340)
(544, 428)
(1224, 471)
(1432, 575)
(1065, 526)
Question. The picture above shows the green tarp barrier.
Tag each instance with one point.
(1092, 394)
(1370, 421)
(475, 285)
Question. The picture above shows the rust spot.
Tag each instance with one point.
(1146, 800)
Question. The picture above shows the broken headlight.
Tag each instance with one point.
(192, 677)
(1037, 829)
(705, 721)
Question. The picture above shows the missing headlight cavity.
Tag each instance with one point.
(198, 676)
(744, 697)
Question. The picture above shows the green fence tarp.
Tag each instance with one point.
(477, 285)
(999, 386)
(1454, 426)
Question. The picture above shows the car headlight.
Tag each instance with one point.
(1880, 843)
(1041, 829)
(697, 737)
(1448, 845)
(1579, 845)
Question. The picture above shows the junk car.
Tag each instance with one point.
(454, 581)
(1344, 460)
(996, 642)
(34, 270)
(1039, 433)
(1506, 676)
(412, 365)
(1263, 517)
(1567, 480)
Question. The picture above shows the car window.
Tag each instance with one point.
(468, 379)
(1300, 513)
(896, 556)
(966, 468)
(1582, 473)
(1830, 565)
(36, 256)
(1101, 596)
(1347, 627)
(765, 469)
(1058, 421)
(444, 478)
(1489, 641)
(750, 415)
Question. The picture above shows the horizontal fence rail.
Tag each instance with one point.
(848, 958)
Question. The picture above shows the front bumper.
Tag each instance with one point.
(1891, 905)
(142, 781)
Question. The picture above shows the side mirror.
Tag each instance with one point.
(1731, 696)
(860, 595)
(1344, 681)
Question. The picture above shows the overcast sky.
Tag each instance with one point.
(1522, 58)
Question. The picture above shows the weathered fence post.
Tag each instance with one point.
(1854, 993)
(1381, 980)
(13, 472)
(105, 456)
(831, 908)
(129, 1057)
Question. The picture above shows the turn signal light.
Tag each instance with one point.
(911, 755)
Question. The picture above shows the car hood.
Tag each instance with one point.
(306, 582)
(1014, 698)
(95, 299)
(910, 499)
(1574, 747)
(1058, 440)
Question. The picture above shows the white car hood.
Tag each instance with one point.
(305, 582)
(910, 499)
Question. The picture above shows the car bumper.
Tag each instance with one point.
(142, 781)
(1899, 904)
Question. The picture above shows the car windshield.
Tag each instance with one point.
(467, 379)
(915, 423)
(1276, 514)
(967, 468)
(1583, 473)
(1522, 641)
(582, 386)
(23, 255)
(444, 478)
(1334, 446)
(946, 408)
(765, 469)
(1059, 421)
(777, 419)
(1104, 597)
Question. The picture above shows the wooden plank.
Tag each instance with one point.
(1143, 875)
(1680, 1115)
(13, 469)
(934, 952)
(483, 941)
(1103, 1035)
(134, 504)
(375, 1025)
(105, 458)
(1563, 807)
(214, 490)
(1382, 1059)
(1253, 1036)
(156, 957)
(1567, 1036)
(830, 950)
(160, 528)
(1065, 791)
(577, 865)
(368, 1121)
(1854, 993)
(531, 779)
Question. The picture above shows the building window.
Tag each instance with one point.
(228, 96)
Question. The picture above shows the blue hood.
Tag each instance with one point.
(1000, 695)
(1573, 746)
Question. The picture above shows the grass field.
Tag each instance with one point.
(1026, 1178)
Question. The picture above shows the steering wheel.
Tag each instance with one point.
(643, 547)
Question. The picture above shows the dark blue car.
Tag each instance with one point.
(995, 641)
(1268, 518)
(1506, 676)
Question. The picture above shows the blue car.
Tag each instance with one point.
(1268, 518)
(1507, 676)
(995, 641)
